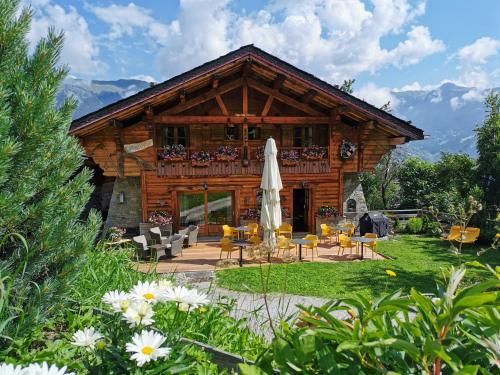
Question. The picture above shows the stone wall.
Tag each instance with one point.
(129, 213)
(353, 190)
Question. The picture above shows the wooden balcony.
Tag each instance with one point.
(185, 168)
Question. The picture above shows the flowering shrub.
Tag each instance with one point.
(314, 152)
(259, 154)
(226, 153)
(290, 155)
(174, 152)
(201, 156)
(251, 214)
(115, 233)
(327, 211)
(160, 218)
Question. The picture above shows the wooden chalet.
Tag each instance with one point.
(323, 135)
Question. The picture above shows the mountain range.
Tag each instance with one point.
(448, 114)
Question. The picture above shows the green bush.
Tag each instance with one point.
(414, 225)
(451, 332)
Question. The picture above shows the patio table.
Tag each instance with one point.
(300, 242)
(241, 244)
(339, 227)
(156, 248)
(242, 229)
(362, 240)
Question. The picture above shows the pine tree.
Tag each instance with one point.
(43, 185)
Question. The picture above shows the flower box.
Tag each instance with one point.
(289, 163)
(199, 163)
(226, 153)
(175, 152)
(314, 152)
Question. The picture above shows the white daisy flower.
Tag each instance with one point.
(118, 300)
(86, 338)
(183, 295)
(164, 284)
(183, 307)
(44, 369)
(139, 313)
(146, 347)
(146, 291)
(7, 369)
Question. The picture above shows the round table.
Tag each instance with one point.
(241, 244)
(300, 242)
(242, 229)
(362, 240)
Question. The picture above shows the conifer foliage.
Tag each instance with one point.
(43, 185)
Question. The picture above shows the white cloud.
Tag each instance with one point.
(336, 39)
(479, 51)
(473, 95)
(378, 96)
(80, 51)
(456, 103)
(144, 77)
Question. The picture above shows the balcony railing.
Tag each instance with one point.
(292, 160)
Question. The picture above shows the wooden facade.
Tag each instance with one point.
(239, 100)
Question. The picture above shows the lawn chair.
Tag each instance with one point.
(470, 235)
(284, 244)
(156, 235)
(227, 245)
(313, 245)
(351, 230)
(371, 245)
(286, 230)
(254, 230)
(176, 244)
(142, 248)
(346, 243)
(193, 235)
(326, 233)
(454, 233)
(229, 232)
(255, 240)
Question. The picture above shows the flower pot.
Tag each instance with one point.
(200, 164)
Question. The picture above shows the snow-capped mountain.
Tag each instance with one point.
(448, 114)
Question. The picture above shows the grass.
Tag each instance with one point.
(416, 260)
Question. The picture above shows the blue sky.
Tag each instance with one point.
(385, 44)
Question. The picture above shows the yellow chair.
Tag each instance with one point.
(351, 230)
(470, 235)
(254, 230)
(371, 245)
(284, 244)
(254, 240)
(229, 231)
(313, 245)
(326, 233)
(285, 229)
(227, 245)
(346, 243)
(454, 233)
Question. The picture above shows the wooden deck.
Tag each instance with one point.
(206, 256)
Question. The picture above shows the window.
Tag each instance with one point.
(231, 133)
(253, 133)
(170, 135)
(302, 136)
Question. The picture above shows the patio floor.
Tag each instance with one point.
(205, 256)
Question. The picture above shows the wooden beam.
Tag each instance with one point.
(182, 96)
(267, 106)
(118, 133)
(166, 119)
(205, 97)
(247, 67)
(215, 82)
(245, 98)
(308, 96)
(394, 141)
(143, 163)
(283, 98)
(278, 81)
(221, 104)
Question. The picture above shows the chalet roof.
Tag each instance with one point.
(247, 51)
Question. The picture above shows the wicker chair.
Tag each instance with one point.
(158, 237)
(176, 244)
(143, 251)
(193, 235)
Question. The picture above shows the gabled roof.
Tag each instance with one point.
(143, 96)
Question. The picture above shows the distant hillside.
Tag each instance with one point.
(447, 114)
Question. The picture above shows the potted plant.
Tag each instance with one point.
(226, 153)
(326, 215)
(314, 152)
(201, 159)
(174, 152)
(158, 218)
(250, 215)
(115, 234)
(289, 157)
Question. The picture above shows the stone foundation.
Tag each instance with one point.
(354, 198)
(129, 213)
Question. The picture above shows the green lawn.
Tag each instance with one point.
(416, 260)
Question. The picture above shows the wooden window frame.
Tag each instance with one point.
(160, 132)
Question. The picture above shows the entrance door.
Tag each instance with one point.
(300, 210)
(207, 209)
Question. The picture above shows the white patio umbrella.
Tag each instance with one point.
(270, 217)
